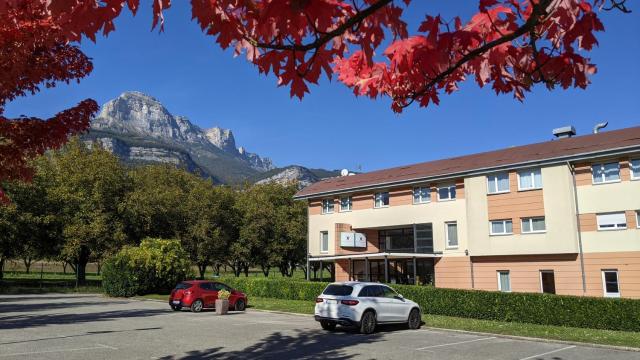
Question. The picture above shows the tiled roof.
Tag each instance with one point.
(514, 156)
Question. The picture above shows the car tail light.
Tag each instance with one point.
(319, 300)
(350, 302)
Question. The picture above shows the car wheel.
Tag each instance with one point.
(368, 322)
(414, 321)
(176, 308)
(239, 306)
(328, 325)
(196, 306)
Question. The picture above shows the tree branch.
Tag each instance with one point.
(326, 37)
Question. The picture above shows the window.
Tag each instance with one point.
(498, 183)
(421, 195)
(501, 227)
(327, 206)
(638, 219)
(504, 281)
(533, 225)
(612, 221)
(324, 241)
(338, 290)
(345, 203)
(635, 169)
(547, 282)
(610, 283)
(604, 173)
(446, 193)
(382, 199)
(371, 291)
(529, 179)
(451, 234)
(389, 292)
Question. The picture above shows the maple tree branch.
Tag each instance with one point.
(326, 37)
(619, 5)
(538, 10)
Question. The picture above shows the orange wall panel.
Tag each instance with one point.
(342, 270)
(362, 201)
(583, 174)
(315, 207)
(588, 222)
(401, 196)
(453, 272)
(515, 204)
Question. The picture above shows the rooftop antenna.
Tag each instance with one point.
(344, 172)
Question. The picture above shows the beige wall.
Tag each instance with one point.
(620, 196)
(436, 213)
(557, 207)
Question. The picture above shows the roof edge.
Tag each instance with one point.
(478, 171)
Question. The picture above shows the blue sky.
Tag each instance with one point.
(330, 128)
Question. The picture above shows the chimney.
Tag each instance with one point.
(564, 132)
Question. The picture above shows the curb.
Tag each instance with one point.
(536, 339)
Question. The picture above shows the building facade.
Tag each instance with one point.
(560, 217)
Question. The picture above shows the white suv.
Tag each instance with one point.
(364, 305)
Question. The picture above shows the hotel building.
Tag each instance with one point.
(560, 217)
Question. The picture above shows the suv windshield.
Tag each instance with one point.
(338, 290)
(183, 286)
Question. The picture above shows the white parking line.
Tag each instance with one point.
(97, 347)
(549, 352)
(455, 343)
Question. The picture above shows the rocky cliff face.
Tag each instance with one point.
(298, 174)
(139, 129)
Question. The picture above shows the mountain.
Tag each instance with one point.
(140, 130)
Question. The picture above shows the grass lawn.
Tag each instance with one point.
(606, 337)
(47, 275)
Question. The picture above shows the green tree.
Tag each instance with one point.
(155, 207)
(8, 233)
(87, 186)
(211, 224)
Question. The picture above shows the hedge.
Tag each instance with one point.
(543, 309)
(155, 266)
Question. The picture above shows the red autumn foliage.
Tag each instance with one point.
(510, 45)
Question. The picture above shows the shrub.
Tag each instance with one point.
(543, 309)
(157, 265)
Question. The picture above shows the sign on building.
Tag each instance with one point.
(353, 239)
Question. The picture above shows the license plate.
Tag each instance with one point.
(329, 301)
(176, 301)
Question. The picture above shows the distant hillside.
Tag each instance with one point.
(140, 130)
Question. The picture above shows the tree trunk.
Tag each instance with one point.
(265, 270)
(1, 268)
(217, 269)
(83, 260)
(202, 268)
(99, 265)
(27, 264)
(64, 267)
(246, 270)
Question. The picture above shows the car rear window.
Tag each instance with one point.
(183, 286)
(338, 290)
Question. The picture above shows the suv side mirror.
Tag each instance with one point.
(400, 297)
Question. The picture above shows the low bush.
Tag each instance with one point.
(543, 309)
(155, 266)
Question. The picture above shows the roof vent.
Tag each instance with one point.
(564, 132)
(602, 125)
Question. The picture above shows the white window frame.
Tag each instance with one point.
(531, 172)
(500, 284)
(324, 251)
(350, 204)
(495, 190)
(504, 221)
(375, 200)
(634, 175)
(448, 187)
(530, 220)
(325, 210)
(446, 234)
(541, 284)
(604, 283)
(421, 201)
(604, 180)
(616, 227)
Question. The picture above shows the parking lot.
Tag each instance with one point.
(94, 327)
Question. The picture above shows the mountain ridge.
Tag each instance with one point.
(138, 128)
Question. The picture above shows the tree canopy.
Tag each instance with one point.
(510, 45)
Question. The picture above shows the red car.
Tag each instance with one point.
(201, 294)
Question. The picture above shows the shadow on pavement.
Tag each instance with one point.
(28, 321)
(88, 333)
(304, 344)
(18, 307)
